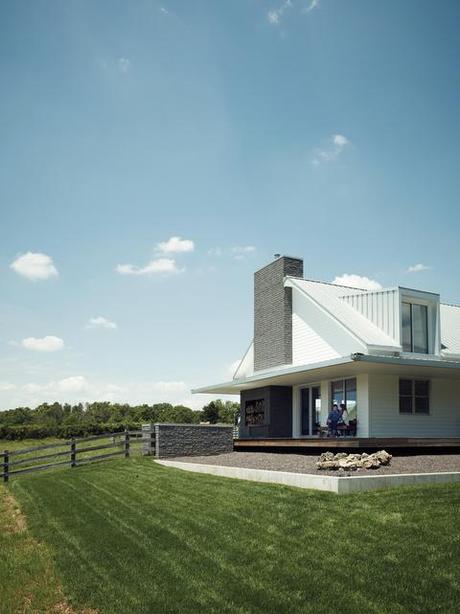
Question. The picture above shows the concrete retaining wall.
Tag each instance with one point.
(339, 485)
(190, 439)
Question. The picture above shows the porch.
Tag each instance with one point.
(305, 444)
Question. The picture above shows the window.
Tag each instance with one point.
(414, 327)
(414, 396)
(344, 391)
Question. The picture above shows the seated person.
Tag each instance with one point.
(352, 427)
(332, 420)
(344, 419)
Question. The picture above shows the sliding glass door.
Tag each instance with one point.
(310, 408)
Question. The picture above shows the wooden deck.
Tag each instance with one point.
(351, 443)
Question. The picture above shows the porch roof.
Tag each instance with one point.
(345, 366)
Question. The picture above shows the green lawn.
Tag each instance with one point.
(129, 536)
(25, 444)
(28, 579)
(6, 444)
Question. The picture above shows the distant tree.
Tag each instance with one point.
(162, 412)
(49, 414)
(184, 415)
(99, 411)
(65, 420)
(210, 412)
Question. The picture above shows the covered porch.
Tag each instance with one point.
(288, 407)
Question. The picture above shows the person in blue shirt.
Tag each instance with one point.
(333, 419)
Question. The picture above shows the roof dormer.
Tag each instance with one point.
(419, 322)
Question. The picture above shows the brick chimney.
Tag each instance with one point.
(273, 312)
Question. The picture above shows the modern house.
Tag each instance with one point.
(392, 356)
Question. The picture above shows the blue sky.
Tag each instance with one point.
(326, 129)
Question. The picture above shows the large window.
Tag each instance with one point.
(414, 324)
(414, 396)
(344, 391)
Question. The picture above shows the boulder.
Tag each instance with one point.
(352, 462)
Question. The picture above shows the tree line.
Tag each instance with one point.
(82, 419)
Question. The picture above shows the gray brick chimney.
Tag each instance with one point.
(273, 313)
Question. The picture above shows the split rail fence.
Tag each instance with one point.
(73, 453)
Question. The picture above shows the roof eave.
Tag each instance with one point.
(234, 386)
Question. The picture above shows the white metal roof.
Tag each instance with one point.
(328, 297)
(450, 328)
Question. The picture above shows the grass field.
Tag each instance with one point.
(6, 444)
(130, 536)
(36, 444)
(28, 580)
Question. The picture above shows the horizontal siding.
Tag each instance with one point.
(315, 335)
(386, 421)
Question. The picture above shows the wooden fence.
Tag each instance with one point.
(76, 452)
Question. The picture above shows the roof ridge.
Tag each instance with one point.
(450, 305)
(328, 283)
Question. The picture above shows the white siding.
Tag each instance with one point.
(381, 308)
(316, 336)
(386, 421)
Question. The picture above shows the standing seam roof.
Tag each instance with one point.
(328, 296)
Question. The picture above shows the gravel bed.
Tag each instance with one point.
(302, 463)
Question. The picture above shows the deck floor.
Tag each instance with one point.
(350, 443)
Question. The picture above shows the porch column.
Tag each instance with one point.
(296, 420)
(325, 401)
(362, 393)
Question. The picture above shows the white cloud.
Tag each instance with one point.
(313, 5)
(241, 251)
(101, 322)
(163, 10)
(76, 384)
(417, 268)
(6, 387)
(337, 143)
(175, 245)
(165, 266)
(274, 15)
(124, 65)
(215, 251)
(339, 140)
(43, 344)
(357, 281)
(78, 388)
(34, 265)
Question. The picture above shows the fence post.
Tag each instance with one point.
(126, 443)
(147, 433)
(6, 466)
(73, 454)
